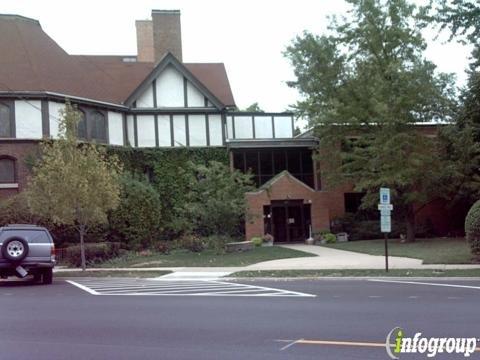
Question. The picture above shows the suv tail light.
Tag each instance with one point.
(52, 252)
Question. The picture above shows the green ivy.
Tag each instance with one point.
(168, 170)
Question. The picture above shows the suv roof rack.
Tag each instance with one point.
(21, 225)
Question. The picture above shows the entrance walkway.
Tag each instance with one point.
(340, 259)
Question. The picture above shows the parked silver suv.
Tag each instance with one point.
(26, 250)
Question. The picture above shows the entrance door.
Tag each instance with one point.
(289, 220)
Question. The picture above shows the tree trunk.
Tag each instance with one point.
(410, 222)
(82, 248)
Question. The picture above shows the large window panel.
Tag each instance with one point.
(98, 127)
(82, 126)
(5, 121)
(7, 171)
(243, 127)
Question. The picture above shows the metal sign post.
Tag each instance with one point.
(385, 209)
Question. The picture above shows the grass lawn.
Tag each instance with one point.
(431, 251)
(353, 273)
(179, 258)
(110, 273)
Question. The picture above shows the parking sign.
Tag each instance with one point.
(384, 196)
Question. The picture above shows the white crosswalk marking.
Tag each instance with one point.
(169, 287)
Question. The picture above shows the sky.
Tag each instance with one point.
(248, 36)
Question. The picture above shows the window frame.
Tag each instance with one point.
(11, 107)
(15, 171)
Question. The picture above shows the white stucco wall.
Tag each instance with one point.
(215, 128)
(115, 128)
(54, 109)
(170, 88)
(283, 126)
(146, 130)
(130, 130)
(229, 134)
(28, 119)
(263, 127)
(243, 127)
(195, 97)
(197, 128)
(146, 99)
(179, 133)
(164, 134)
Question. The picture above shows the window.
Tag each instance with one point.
(82, 126)
(98, 127)
(5, 121)
(266, 163)
(7, 171)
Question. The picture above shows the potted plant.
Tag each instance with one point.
(267, 240)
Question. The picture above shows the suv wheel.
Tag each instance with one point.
(15, 249)
(47, 277)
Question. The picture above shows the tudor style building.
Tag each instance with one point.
(153, 99)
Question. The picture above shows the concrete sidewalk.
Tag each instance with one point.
(322, 258)
(328, 258)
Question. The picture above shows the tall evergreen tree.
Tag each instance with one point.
(369, 80)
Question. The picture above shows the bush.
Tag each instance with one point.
(257, 241)
(329, 238)
(191, 243)
(94, 252)
(216, 243)
(366, 229)
(136, 221)
(472, 228)
(162, 247)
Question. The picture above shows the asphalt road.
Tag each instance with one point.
(62, 321)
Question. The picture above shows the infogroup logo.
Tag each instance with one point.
(397, 343)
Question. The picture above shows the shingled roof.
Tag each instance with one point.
(32, 62)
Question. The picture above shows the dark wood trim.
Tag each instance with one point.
(293, 128)
(185, 92)
(157, 141)
(223, 121)
(172, 134)
(187, 130)
(177, 110)
(205, 101)
(258, 113)
(107, 128)
(253, 126)
(13, 125)
(45, 118)
(233, 127)
(207, 128)
(125, 130)
(167, 60)
(135, 130)
(273, 127)
(154, 89)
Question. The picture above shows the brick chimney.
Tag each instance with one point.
(160, 35)
(144, 40)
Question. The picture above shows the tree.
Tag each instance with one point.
(254, 108)
(461, 17)
(137, 219)
(216, 203)
(368, 79)
(74, 184)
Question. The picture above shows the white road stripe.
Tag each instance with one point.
(93, 292)
(179, 288)
(425, 283)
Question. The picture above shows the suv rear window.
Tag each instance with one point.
(31, 236)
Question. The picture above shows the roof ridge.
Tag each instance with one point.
(14, 17)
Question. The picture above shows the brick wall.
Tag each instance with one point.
(325, 205)
(20, 151)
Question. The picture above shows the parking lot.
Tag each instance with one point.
(302, 319)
